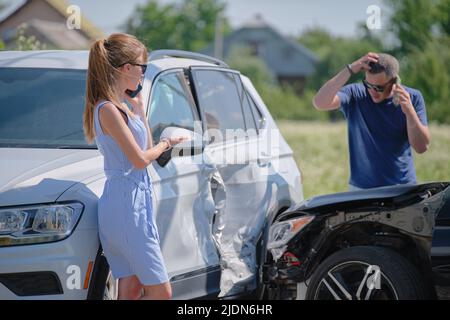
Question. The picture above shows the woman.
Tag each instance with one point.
(127, 230)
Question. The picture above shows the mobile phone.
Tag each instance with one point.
(134, 93)
(164, 158)
(396, 97)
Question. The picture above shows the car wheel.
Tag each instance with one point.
(110, 289)
(366, 273)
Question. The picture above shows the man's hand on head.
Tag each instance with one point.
(362, 64)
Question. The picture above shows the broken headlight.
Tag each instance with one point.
(281, 233)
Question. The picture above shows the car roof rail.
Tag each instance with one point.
(159, 54)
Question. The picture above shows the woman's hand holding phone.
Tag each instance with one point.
(137, 103)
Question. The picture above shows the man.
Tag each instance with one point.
(380, 133)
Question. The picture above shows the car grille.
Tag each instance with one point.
(32, 283)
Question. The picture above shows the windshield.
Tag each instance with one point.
(42, 108)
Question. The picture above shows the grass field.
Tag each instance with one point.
(321, 152)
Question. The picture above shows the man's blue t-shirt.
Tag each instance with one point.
(380, 153)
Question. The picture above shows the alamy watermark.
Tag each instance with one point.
(373, 21)
(74, 19)
(263, 148)
(374, 277)
(73, 281)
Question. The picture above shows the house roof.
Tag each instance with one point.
(282, 55)
(90, 29)
(87, 28)
(58, 34)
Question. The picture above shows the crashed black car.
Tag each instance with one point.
(376, 244)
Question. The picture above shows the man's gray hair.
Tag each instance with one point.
(387, 64)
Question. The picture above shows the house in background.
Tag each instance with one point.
(288, 61)
(46, 20)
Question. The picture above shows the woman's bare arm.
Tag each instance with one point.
(112, 121)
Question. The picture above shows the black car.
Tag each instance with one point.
(382, 243)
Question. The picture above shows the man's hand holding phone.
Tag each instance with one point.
(396, 97)
(404, 99)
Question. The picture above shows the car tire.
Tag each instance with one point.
(367, 273)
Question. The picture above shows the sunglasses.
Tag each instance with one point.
(377, 88)
(143, 66)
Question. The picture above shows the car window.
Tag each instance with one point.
(220, 102)
(246, 108)
(171, 104)
(42, 108)
(259, 118)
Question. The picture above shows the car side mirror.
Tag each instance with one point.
(193, 146)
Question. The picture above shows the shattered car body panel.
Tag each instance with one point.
(411, 220)
(244, 196)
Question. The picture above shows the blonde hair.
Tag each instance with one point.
(105, 58)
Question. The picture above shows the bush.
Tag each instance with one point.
(429, 71)
(282, 102)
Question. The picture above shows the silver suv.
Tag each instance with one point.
(215, 195)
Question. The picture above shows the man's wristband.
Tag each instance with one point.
(349, 67)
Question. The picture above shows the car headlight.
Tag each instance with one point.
(281, 233)
(38, 223)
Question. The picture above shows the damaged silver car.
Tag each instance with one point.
(214, 195)
(376, 244)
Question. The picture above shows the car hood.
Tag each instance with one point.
(30, 176)
(351, 198)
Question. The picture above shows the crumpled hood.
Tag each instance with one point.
(351, 198)
(29, 176)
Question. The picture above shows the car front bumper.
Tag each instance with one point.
(57, 270)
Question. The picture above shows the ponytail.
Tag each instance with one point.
(105, 56)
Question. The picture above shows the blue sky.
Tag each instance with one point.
(290, 17)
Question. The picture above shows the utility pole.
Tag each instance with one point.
(218, 37)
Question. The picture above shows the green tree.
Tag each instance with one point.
(240, 58)
(417, 22)
(189, 25)
(422, 28)
(2, 6)
(427, 69)
(317, 39)
(282, 102)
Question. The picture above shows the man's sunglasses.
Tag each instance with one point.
(377, 88)
(143, 66)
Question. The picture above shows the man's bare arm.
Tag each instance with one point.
(419, 136)
(327, 98)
